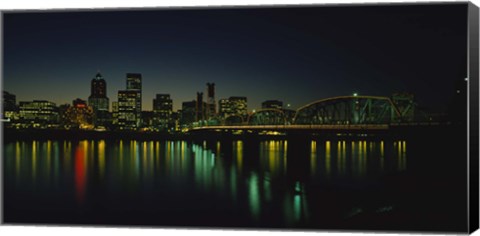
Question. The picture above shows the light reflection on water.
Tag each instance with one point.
(228, 170)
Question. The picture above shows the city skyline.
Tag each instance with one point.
(295, 55)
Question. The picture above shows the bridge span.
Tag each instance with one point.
(281, 128)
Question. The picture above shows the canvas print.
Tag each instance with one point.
(312, 117)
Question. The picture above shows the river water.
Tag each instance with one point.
(314, 184)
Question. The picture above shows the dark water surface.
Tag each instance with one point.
(394, 184)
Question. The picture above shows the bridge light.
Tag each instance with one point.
(355, 94)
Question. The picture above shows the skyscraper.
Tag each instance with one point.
(134, 84)
(200, 107)
(98, 100)
(188, 114)
(211, 109)
(162, 109)
(127, 115)
(134, 81)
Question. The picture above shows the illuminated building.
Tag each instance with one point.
(79, 115)
(272, 104)
(238, 106)
(224, 108)
(63, 115)
(210, 109)
(162, 109)
(99, 101)
(233, 106)
(147, 120)
(188, 113)
(134, 83)
(127, 113)
(115, 114)
(9, 105)
(37, 114)
(200, 108)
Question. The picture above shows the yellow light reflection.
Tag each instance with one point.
(157, 154)
(49, 159)
(285, 145)
(144, 159)
(218, 148)
(363, 160)
(313, 157)
(340, 161)
(34, 160)
(328, 164)
(382, 154)
(239, 148)
(67, 156)
(101, 158)
(401, 155)
(18, 157)
(136, 160)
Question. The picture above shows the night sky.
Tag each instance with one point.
(297, 55)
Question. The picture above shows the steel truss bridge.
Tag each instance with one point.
(335, 113)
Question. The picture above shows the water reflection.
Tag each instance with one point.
(250, 182)
(80, 171)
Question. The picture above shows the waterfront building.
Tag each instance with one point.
(78, 116)
(200, 108)
(272, 104)
(147, 121)
(9, 106)
(134, 83)
(127, 114)
(37, 114)
(238, 106)
(188, 113)
(162, 109)
(211, 110)
(99, 101)
(115, 114)
(224, 108)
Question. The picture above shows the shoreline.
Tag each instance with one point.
(11, 135)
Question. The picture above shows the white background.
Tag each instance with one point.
(82, 231)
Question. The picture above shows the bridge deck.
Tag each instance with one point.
(295, 127)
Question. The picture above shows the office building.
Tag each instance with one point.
(210, 104)
(37, 114)
(188, 113)
(162, 109)
(99, 101)
(78, 116)
(200, 108)
(9, 105)
(128, 115)
(238, 106)
(224, 108)
(272, 104)
(134, 83)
